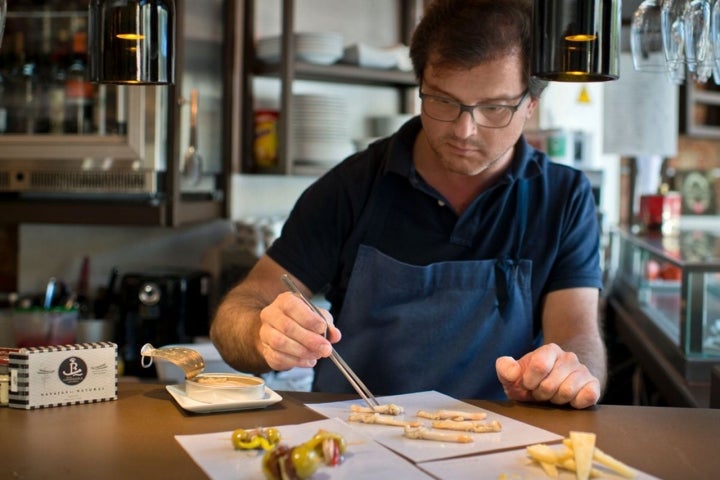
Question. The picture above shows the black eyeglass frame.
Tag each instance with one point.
(471, 108)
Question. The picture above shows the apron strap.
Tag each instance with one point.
(506, 268)
(521, 211)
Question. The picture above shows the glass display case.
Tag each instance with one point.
(671, 283)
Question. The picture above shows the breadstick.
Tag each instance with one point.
(456, 415)
(389, 409)
(379, 419)
(423, 433)
(476, 427)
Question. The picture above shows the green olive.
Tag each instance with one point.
(319, 438)
(239, 438)
(258, 438)
(305, 460)
(273, 435)
(271, 462)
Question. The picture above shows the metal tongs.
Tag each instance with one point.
(344, 368)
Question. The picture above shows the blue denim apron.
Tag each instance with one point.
(409, 328)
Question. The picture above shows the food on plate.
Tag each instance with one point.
(583, 444)
(456, 415)
(423, 433)
(222, 380)
(468, 426)
(578, 454)
(387, 409)
(380, 419)
(265, 438)
(547, 458)
(302, 461)
(224, 387)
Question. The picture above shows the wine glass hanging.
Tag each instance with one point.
(685, 32)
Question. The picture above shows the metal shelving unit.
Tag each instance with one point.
(289, 70)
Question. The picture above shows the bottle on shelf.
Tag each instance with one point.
(79, 91)
(30, 90)
(57, 78)
(14, 97)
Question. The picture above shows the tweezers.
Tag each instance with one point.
(344, 368)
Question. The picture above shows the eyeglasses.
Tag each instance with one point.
(486, 115)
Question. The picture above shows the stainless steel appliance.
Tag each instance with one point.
(161, 306)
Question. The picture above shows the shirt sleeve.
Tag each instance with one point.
(311, 242)
(578, 258)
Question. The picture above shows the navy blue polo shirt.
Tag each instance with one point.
(415, 225)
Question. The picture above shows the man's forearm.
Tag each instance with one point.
(590, 349)
(234, 331)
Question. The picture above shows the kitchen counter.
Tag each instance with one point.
(133, 437)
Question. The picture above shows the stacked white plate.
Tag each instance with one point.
(371, 57)
(323, 48)
(320, 136)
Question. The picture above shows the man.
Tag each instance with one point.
(455, 257)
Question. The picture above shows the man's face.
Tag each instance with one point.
(462, 146)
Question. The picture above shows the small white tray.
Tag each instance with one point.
(187, 403)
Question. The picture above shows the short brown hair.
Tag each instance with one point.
(465, 33)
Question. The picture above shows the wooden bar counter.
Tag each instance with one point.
(133, 437)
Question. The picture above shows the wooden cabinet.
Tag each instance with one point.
(290, 70)
(125, 168)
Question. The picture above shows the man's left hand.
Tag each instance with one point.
(548, 374)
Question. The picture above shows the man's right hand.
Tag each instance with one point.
(292, 335)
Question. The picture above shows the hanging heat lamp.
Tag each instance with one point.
(132, 41)
(576, 40)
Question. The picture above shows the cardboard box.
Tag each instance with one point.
(63, 375)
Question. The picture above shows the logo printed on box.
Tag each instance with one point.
(72, 371)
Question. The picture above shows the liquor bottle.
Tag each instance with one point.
(8, 62)
(18, 86)
(79, 91)
(56, 83)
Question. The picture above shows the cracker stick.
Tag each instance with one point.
(476, 427)
(570, 465)
(542, 453)
(379, 419)
(613, 464)
(423, 433)
(388, 409)
(456, 415)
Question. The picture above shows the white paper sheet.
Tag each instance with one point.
(514, 433)
(364, 459)
(511, 465)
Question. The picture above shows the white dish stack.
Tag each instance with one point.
(320, 137)
(322, 48)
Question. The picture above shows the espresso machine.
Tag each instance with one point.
(161, 306)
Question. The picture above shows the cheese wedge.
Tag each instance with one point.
(583, 449)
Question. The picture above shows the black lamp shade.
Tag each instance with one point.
(576, 40)
(132, 41)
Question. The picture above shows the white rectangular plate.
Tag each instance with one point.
(191, 405)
